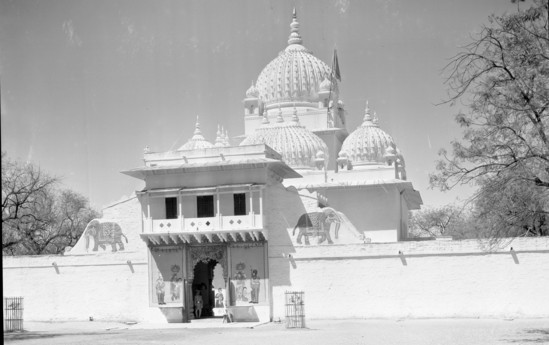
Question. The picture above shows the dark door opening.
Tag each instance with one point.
(203, 278)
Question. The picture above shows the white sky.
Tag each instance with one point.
(86, 85)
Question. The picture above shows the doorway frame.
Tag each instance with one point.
(204, 253)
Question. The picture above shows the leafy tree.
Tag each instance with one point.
(38, 217)
(503, 78)
(506, 209)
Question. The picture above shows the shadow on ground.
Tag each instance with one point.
(535, 336)
(25, 335)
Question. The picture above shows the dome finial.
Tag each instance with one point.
(226, 138)
(265, 117)
(294, 38)
(197, 126)
(367, 115)
(279, 118)
(294, 117)
(218, 138)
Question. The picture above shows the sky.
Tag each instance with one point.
(87, 85)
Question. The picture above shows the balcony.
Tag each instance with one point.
(219, 223)
(219, 229)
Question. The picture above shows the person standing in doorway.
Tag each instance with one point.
(198, 304)
(255, 284)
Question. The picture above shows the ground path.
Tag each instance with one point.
(318, 332)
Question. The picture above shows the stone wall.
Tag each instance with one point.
(102, 286)
(430, 279)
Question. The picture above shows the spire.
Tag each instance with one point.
(294, 38)
(375, 119)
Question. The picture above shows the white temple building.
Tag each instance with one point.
(217, 217)
(298, 218)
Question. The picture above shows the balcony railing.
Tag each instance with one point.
(250, 221)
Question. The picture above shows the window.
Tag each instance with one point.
(204, 206)
(171, 208)
(239, 204)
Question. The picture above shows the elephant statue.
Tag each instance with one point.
(318, 224)
(104, 233)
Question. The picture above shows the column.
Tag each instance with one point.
(149, 219)
(252, 217)
(180, 212)
(261, 206)
(218, 214)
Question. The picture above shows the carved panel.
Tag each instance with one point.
(205, 254)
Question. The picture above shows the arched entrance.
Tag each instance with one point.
(203, 282)
(207, 273)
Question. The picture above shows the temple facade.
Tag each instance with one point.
(299, 202)
(216, 217)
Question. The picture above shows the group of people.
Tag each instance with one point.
(175, 289)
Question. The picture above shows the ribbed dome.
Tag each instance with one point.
(297, 145)
(295, 75)
(197, 141)
(252, 92)
(368, 143)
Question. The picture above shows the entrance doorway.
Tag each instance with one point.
(208, 277)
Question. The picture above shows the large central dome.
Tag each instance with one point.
(295, 75)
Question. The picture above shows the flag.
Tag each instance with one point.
(335, 67)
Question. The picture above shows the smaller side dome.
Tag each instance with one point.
(197, 141)
(252, 92)
(367, 144)
(219, 141)
(326, 85)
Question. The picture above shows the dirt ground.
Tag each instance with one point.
(318, 332)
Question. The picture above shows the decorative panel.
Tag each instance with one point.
(248, 274)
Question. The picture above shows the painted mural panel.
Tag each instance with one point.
(104, 235)
(324, 226)
(248, 274)
(166, 275)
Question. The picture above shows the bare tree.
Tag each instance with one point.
(37, 218)
(503, 78)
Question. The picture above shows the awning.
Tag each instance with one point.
(204, 237)
(278, 166)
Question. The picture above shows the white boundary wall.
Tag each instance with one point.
(430, 279)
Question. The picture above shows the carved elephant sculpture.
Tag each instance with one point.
(104, 233)
(317, 224)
